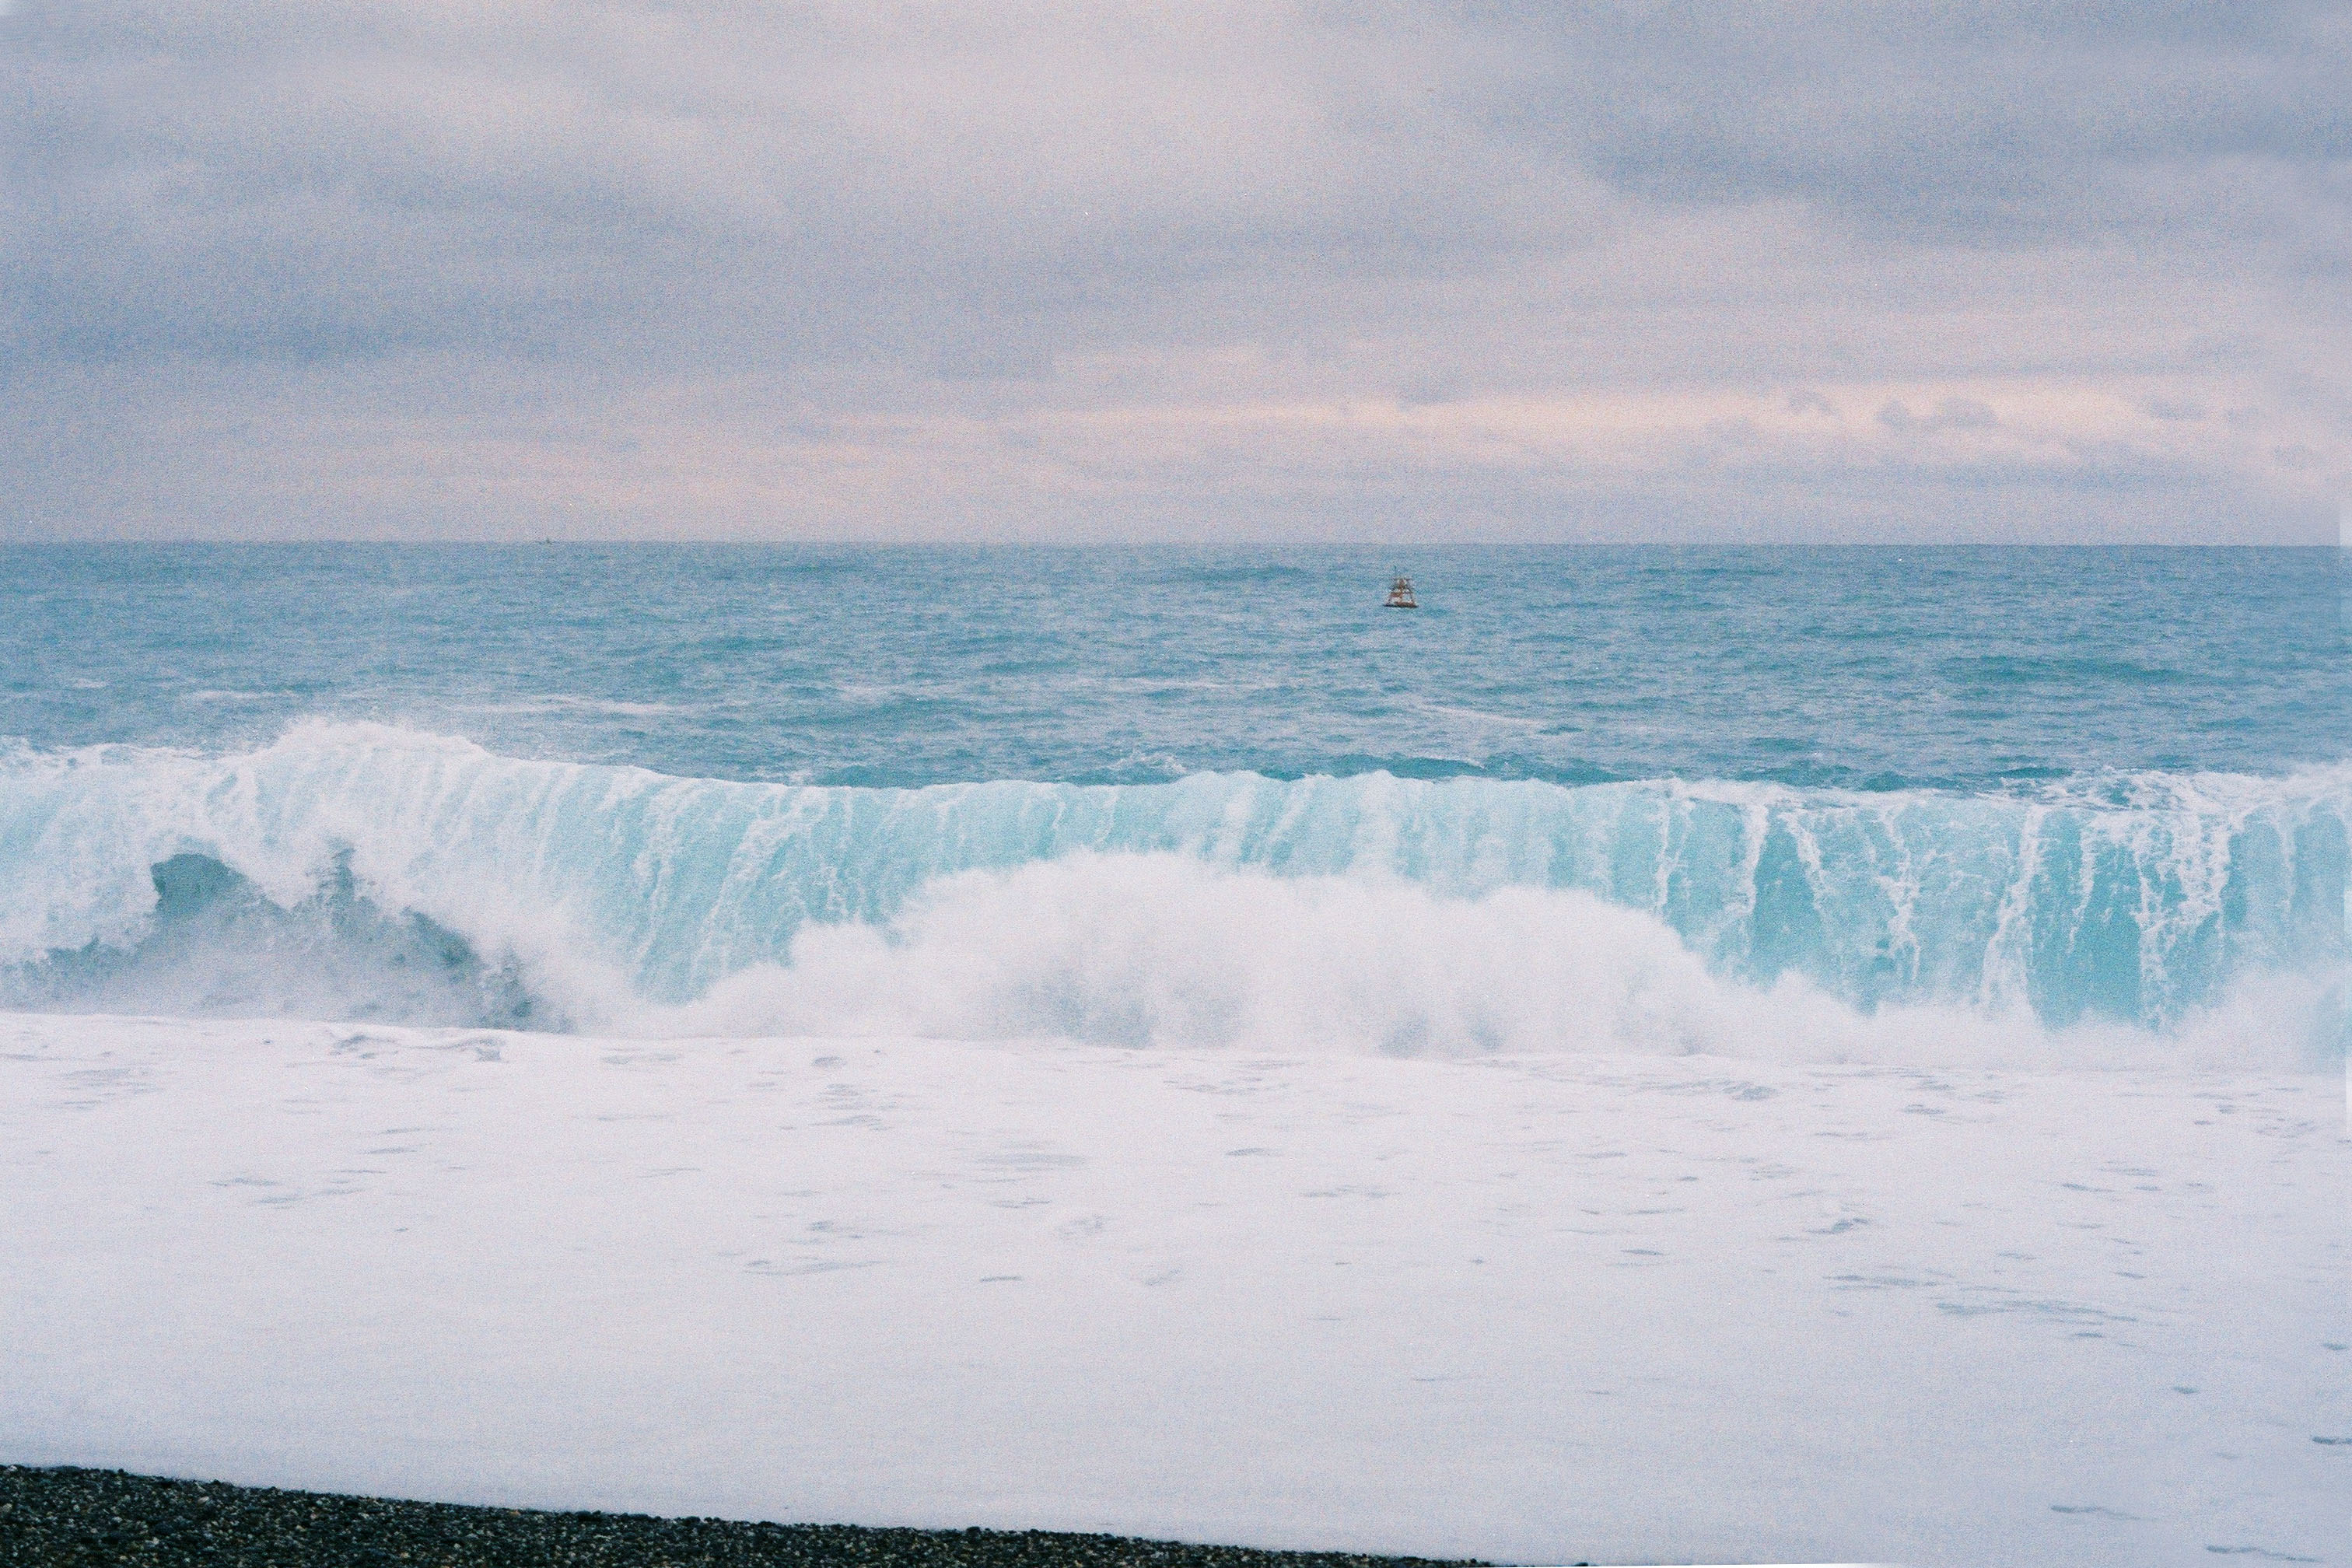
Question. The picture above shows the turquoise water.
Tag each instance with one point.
(1861, 668)
(566, 785)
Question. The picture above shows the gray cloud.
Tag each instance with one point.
(1951, 414)
(1050, 271)
(1992, 124)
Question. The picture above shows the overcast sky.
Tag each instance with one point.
(1802, 270)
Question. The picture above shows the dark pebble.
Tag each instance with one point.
(75, 1515)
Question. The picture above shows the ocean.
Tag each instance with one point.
(1684, 799)
(1696, 1056)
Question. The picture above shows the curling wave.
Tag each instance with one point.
(365, 870)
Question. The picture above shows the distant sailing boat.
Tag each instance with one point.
(1401, 596)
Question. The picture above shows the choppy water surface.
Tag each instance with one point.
(1867, 668)
(2064, 786)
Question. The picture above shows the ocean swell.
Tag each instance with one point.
(366, 871)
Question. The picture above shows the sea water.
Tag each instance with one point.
(1156, 1042)
(1852, 803)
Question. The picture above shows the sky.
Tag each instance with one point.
(1813, 270)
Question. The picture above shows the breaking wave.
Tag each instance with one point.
(366, 871)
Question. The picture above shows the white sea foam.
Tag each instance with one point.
(361, 871)
(1538, 1308)
(1163, 950)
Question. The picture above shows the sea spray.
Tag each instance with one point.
(550, 893)
(1162, 949)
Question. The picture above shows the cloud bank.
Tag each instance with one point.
(1829, 270)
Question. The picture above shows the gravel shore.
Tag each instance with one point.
(78, 1516)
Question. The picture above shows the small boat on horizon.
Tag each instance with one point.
(1401, 594)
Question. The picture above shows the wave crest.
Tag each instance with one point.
(1164, 951)
(612, 897)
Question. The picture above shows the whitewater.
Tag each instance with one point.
(369, 872)
(1717, 1055)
